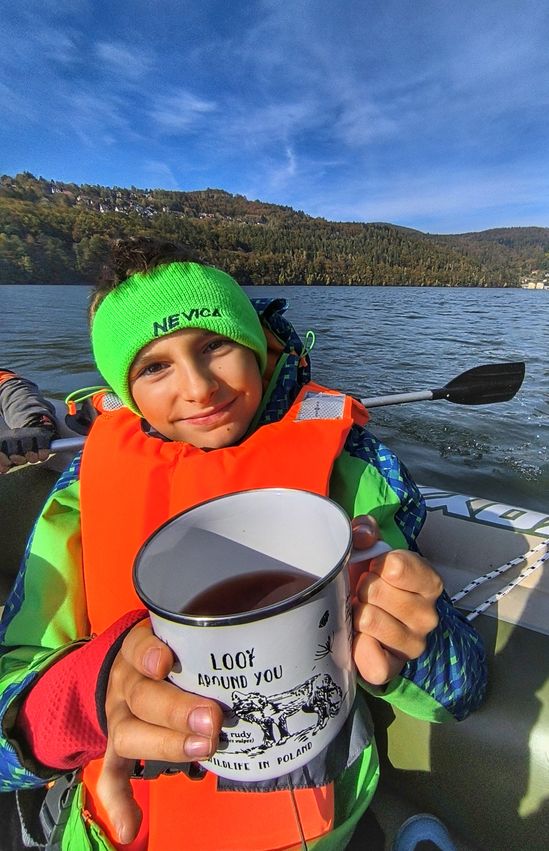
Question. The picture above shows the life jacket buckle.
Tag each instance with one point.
(150, 769)
(55, 809)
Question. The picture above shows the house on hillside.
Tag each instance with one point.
(537, 280)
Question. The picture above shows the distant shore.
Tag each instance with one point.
(61, 232)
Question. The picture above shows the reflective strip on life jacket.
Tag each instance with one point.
(131, 483)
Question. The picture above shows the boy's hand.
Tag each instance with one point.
(148, 718)
(394, 612)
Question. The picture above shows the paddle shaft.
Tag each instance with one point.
(73, 444)
(398, 399)
(481, 385)
(69, 444)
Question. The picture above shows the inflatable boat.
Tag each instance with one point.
(486, 778)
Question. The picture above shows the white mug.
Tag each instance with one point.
(251, 593)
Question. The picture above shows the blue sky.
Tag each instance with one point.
(432, 115)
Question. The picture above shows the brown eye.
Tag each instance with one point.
(213, 345)
(151, 369)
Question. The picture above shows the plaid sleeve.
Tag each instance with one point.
(45, 615)
(449, 678)
(368, 478)
(448, 681)
(452, 669)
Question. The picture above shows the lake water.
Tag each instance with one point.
(369, 341)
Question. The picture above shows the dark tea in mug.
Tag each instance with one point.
(259, 621)
(247, 592)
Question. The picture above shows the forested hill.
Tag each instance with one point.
(52, 232)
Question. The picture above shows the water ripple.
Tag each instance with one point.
(370, 341)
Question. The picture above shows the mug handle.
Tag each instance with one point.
(376, 549)
(363, 555)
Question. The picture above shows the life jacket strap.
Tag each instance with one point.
(56, 807)
(150, 769)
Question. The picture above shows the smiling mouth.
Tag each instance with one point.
(210, 417)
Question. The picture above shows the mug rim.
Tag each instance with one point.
(254, 614)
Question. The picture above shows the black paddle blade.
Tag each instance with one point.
(483, 385)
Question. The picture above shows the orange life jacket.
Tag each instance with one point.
(131, 483)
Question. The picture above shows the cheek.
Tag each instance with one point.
(256, 380)
(136, 395)
(255, 388)
(146, 398)
(251, 371)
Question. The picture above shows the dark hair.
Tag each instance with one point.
(136, 254)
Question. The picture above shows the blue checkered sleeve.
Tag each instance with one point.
(452, 669)
(411, 513)
(19, 667)
(13, 774)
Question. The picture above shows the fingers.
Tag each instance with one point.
(6, 463)
(365, 531)
(415, 611)
(405, 639)
(376, 664)
(409, 572)
(146, 653)
(150, 718)
(136, 739)
(12, 460)
(394, 612)
(115, 795)
(159, 721)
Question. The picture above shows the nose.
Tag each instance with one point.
(198, 383)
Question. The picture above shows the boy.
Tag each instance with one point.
(212, 391)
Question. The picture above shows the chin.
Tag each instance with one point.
(220, 442)
(212, 440)
(226, 437)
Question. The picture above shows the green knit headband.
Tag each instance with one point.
(167, 299)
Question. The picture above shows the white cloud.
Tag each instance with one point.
(125, 61)
(375, 73)
(161, 174)
(97, 119)
(180, 111)
(15, 106)
(257, 126)
(362, 122)
(438, 202)
(286, 171)
(54, 43)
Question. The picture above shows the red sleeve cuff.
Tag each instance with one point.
(62, 718)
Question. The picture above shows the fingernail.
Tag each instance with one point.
(196, 747)
(367, 526)
(152, 660)
(200, 721)
(122, 833)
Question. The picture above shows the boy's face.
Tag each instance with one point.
(198, 387)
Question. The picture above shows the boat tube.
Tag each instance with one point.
(486, 778)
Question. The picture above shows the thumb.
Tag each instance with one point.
(365, 531)
(115, 794)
